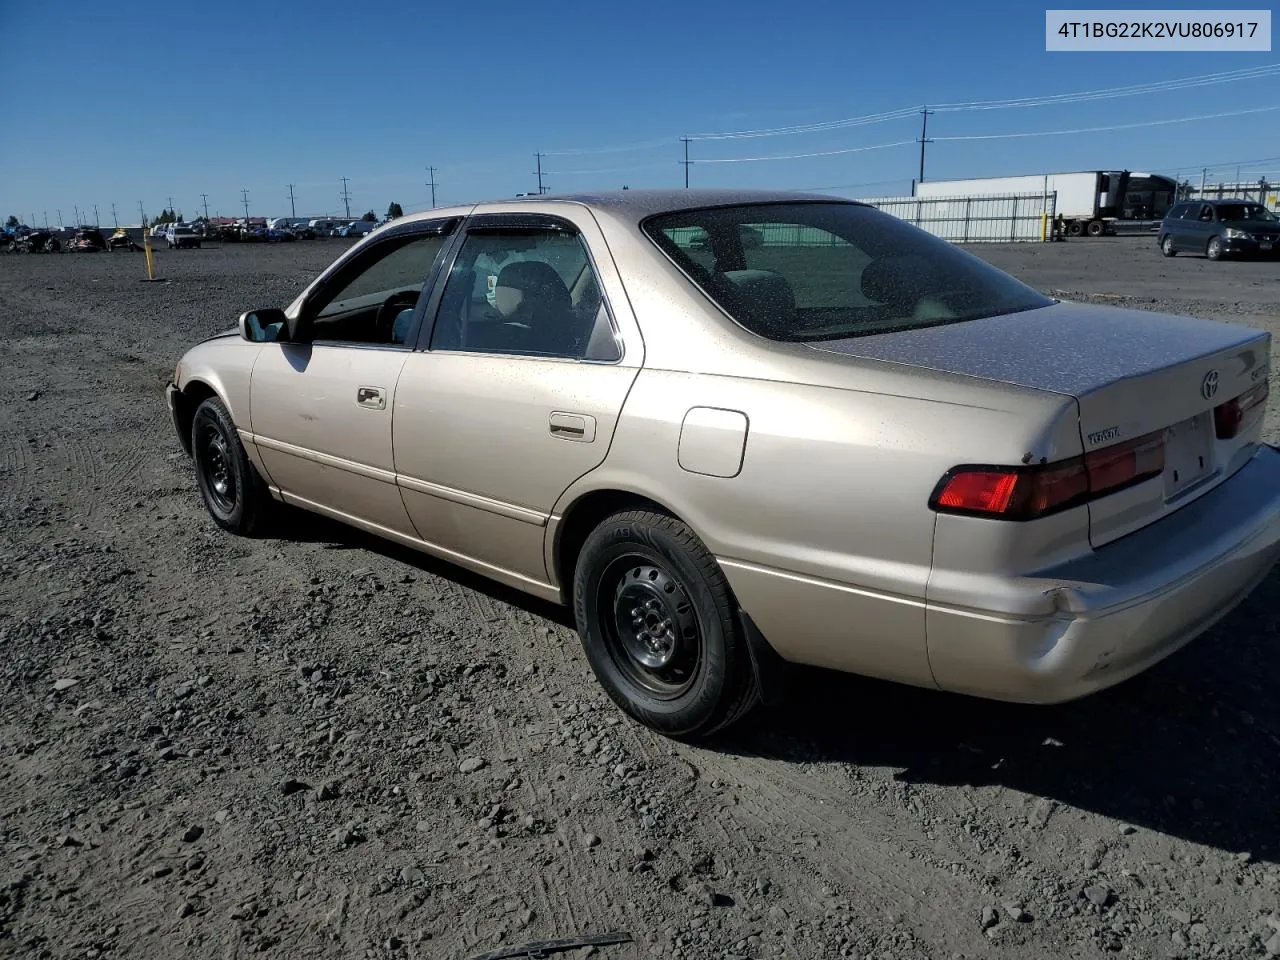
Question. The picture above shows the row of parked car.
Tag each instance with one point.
(83, 240)
(275, 230)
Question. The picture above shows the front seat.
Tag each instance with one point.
(531, 293)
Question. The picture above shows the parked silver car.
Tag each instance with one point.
(733, 429)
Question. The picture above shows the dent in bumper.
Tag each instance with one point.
(1122, 608)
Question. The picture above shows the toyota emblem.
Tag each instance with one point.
(1209, 385)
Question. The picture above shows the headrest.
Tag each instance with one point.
(527, 282)
(900, 279)
(765, 294)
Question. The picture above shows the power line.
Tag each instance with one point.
(346, 197)
(1109, 93)
(1118, 126)
(819, 153)
(1231, 76)
(622, 148)
(595, 170)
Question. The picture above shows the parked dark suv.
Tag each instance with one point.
(1220, 228)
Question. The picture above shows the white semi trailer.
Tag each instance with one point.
(1090, 202)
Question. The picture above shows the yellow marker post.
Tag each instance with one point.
(151, 257)
(1044, 226)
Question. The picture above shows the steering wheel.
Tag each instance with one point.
(390, 309)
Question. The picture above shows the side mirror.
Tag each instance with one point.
(262, 326)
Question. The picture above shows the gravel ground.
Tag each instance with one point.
(321, 745)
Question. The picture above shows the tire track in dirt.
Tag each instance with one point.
(865, 854)
(17, 470)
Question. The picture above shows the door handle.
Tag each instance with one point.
(372, 397)
(572, 426)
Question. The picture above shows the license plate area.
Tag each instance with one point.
(1188, 454)
(1264, 245)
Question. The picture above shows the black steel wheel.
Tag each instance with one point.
(660, 628)
(232, 490)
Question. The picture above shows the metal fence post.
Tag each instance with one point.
(968, 205)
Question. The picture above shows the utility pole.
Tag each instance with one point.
(171, 204)
(686, 161)
(95, 215)
(204, 199)
(924, 137)
(293, 209)
(538, 173)
(244, 198)
(46, 216)
(114, 219)
(1204, 171)
(432, 184)
(142, 216)
(346, 197)
(60, 215)
(76, 207)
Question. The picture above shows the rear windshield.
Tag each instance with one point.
(1244, 211)
(827, 271)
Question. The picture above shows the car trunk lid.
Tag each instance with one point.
(1132, 373)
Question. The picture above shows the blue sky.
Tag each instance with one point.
(133, 101)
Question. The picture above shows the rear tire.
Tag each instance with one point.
(233, 491)
(1075, 228)
(1096, 228)
(1166, 247)
(1213, 250)
(659, 626)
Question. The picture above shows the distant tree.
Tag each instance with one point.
(394, 211)
(371, 217)
(12, 221)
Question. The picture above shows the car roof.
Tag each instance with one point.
(635, 205)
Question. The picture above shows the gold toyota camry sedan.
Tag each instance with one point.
(738, 430)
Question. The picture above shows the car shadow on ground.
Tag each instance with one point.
(1191, 748)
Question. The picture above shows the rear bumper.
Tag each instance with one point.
(1120, 609)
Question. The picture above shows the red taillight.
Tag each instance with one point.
(1229, 417)
(1125, 463)
(1025, 493)
(982, 490)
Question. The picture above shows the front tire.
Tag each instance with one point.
(1166, 247)
(659, 626)
(1213, 250)
(232, 489)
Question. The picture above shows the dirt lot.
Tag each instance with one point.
(214, 747)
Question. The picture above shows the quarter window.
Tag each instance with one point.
(373, 300)
(525, 291)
